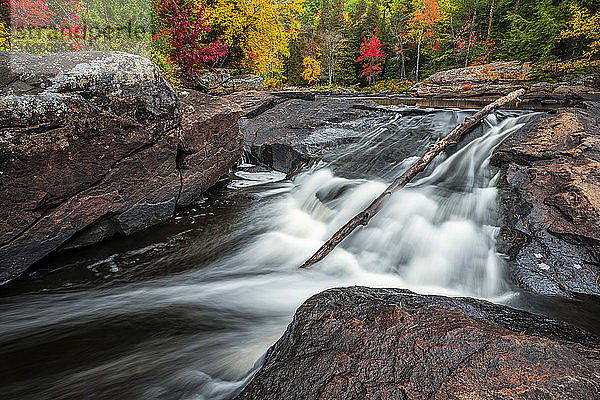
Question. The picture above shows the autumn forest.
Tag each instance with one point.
(388, 43)
(360, 42)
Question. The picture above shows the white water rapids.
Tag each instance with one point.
(197, 333)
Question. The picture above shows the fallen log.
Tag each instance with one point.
(363, 217)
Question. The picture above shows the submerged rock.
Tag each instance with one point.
(363, 343)
(551, 201)
(95, 143)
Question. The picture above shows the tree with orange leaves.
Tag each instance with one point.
(427, 16)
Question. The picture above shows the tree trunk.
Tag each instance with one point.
(418, 57)
(470, 38)
(363, 217)
(489, 31)
(403, 70)
(516, 11)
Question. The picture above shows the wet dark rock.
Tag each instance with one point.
(363, 343)
(255, 102)
(551, 201)
(210, 142)
(291, 132)
(93, 144)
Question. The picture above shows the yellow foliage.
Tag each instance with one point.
(312, 70)
(4, 38)
(584, 25)
(261, 29)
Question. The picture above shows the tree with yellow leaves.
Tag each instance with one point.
(258, 31)
(312, 69)
(584, 28)
(4, 37)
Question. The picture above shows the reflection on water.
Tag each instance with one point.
(185, 309)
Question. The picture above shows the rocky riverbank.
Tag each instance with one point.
(551, 202)
(358, 343)
(96, 144)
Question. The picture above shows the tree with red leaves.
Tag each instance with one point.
(371, 54)
(183, 24)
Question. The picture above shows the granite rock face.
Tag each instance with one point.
(363, 343)
(499, 78)
(489, 81)
(551, 201)
(93, 144)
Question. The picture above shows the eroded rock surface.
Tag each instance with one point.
(93, 144)
(291, 131)
(551, 200)
(363, 343)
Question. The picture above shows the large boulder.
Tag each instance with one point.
(493, 79)
(92, 145)
(551, 201)
(363, 343)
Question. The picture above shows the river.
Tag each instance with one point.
(185, 309)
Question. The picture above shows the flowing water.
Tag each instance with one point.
(184, 310)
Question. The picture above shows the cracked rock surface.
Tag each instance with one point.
(364, 343)
(551, 202)
(98, 143)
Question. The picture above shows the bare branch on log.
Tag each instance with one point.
(363, 217)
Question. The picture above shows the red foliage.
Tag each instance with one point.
(31, 13)
(371, 51)
(185, 25)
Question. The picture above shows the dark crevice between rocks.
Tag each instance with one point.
(269, 104)
(102, 228)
